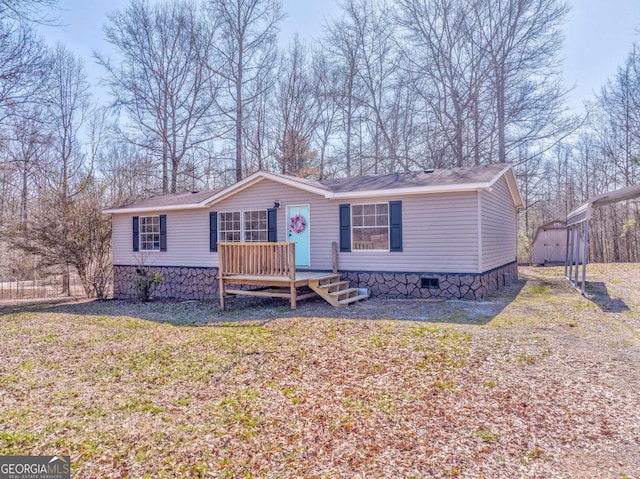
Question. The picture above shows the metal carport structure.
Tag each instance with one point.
(578, 231)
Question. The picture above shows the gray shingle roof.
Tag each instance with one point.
(171, 199)
(412, 179)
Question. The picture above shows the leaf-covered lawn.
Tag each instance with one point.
(537, 382)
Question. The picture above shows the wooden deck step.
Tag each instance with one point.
(333, 285)
(344, 292)
(352, 299)
(329, 279)
(336, 292)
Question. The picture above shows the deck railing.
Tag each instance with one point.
(257, 259)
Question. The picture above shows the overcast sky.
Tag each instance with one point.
(599, 34)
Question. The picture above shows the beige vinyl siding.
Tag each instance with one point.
(187, 240)
(439, 234)
(440, 231)
(498, 226)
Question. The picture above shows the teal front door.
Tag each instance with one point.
(298, 229)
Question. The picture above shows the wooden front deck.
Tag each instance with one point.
(270, 269)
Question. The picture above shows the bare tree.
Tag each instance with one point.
(67, 102)
(343, 45)
(296, 112)
(27, 144)
(162, 83)
(327, 99)
(247, 43)
(446, 70)
(27, 10)
(23, 67)
(522, 40)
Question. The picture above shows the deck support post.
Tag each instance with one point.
(334, 256)
(293, 295)
(221, 276)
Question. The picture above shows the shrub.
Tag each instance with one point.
(145, 282)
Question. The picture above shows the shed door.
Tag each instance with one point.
(555, 245)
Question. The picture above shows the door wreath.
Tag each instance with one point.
(298, 223)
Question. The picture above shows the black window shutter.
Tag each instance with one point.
(163, 232)
(136, 234)
(213, 231)
(395, 225)
(272, 225)
(345, 228)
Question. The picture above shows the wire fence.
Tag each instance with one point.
(51, 287)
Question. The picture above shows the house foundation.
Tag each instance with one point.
(178, 283)
(193, 283)
(433, 285)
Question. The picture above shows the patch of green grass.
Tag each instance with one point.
(446, 385)
(237, 409)
(136, 403)
(539, 290)
(535, 453)
(487, 435)
(49, 338)
(15, 442)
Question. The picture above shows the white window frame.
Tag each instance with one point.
(376, 226)
(221, 231)
(246, 230)
(243, 229)
(142, 220)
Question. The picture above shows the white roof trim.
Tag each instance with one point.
(511, 183)
(151, 209)
(415, 190)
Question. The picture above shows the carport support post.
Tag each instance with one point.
(566, 254)
(570, 253)
(585, 249)
(575, 282)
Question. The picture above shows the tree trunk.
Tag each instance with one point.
(501, 115)
(239, 114)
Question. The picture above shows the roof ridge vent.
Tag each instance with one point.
(429, 170)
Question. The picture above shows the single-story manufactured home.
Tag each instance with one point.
(443, 233)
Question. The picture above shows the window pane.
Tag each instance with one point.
(255, 225)
(229, 226)
(149, 233)
(369, 226)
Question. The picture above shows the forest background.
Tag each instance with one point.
(199, 94)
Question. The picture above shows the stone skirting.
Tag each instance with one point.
(450, 285)
(178, 282)
(185, 283)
